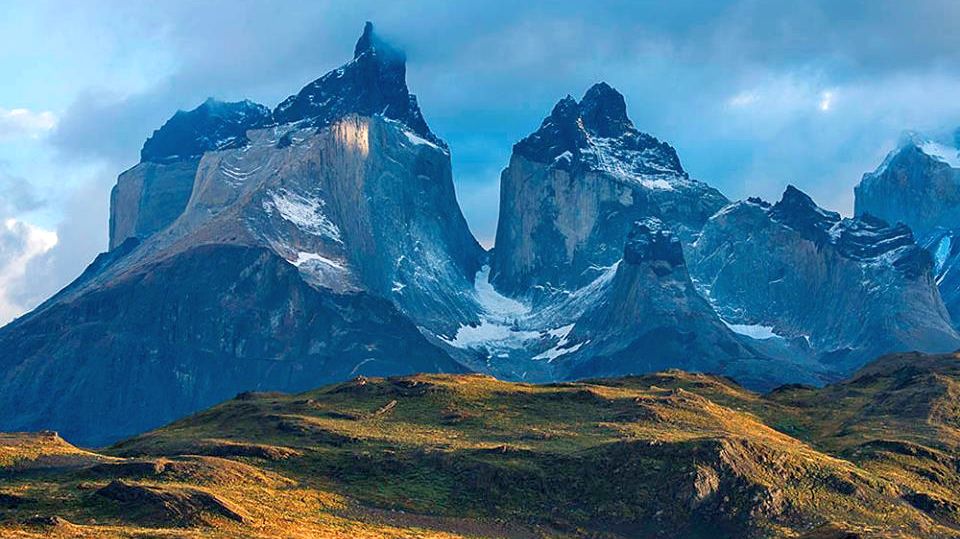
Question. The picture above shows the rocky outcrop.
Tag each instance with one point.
(651, 318)
(214, 125)
(151, 195)
(574, 188)
(374, 83)
(852, 288)
(918, 184)
(181, 506)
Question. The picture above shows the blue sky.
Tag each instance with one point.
(753, 94)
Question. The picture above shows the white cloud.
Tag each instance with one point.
(16, 123)
(742, 99)
(826, 101)
(20, 242)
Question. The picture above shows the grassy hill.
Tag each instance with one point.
(671, 454)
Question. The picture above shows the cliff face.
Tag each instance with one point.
(918, 184)
(340, 180)
(852, 288)
(148, 197)
(651, 317)
(253, 252)
(151, 195)
(573, 190)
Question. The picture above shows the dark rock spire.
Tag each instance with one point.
(374, 82)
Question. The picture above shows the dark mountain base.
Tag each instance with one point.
(189, 332)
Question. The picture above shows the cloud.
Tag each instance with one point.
(20, 244)
(826, 101)
(101, 125)
(17, 195)
(17, 123)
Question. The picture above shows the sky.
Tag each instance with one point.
(753, 94)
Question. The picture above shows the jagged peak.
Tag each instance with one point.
(373, 83)
(798, 211)
(865, 238)
(371, 42)
(212, 125)
(565, 109)
(598, 124)
(794, 201)
(604, 111)
(914, 144)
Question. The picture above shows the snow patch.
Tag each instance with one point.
(556, 352)
(492, 335)
(941, 152)
(561, 347)
(941, 253)
(307, 258)
(417, 140)
(494, 303)
(663, 185)
(630, 165)
(305, 213)
(754, 331)
(498, 329)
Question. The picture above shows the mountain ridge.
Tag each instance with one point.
(670, 454)
(341, 203)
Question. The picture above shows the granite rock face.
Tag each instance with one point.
(651, 318)
(149, 197)
(918, 184)
(254, 253)
(573, 190)
(152, 194)
(851, 288)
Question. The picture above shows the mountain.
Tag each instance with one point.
(573, 190)
(651, 317)
(259, 249)
(165, 340)
(841, 291)
(254, 249)
(587, 277)
(918, 184)
(669, 454)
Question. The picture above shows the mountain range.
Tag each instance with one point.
(258, 249)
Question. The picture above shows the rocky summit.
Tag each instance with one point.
(573, 190)
(258, 249)
(651, 317)
(918, 184)
(790, 274)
